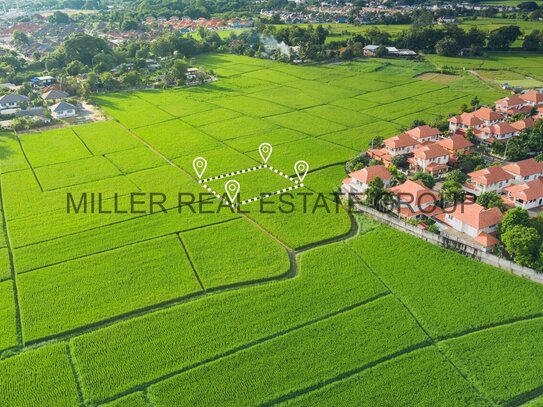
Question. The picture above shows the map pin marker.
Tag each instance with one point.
(232, 189)
(265, 150)
(301, 168)
(199, 164)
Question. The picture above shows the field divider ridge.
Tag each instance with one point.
(248, 345)
(18, 322)
(434, 342)
(190, 261)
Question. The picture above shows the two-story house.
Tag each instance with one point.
(456, 145)
(414, 200)
(527, 195)
(431, 158)
(400, 144)
(510, 105)
(532, 98)
(358, 181)
(525, 170)
(424, 134)
(491, 179)
(496, 132)
(488, 116)
(465, 121)
(474, 220)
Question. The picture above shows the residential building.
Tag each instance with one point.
(510, 105)
(401, 144)
(54, 95)
(525, 170)
(523, 124)
(358, 181)
(415, 200)
(456, 145)
(473, 220)
(488, 116)
(424, 134)
(12, 100)
(496, 132)
(465, 121)
(431, 158)
(527, 196)
(63, 110)
(491, 179)
(533, 98)
(370, 50)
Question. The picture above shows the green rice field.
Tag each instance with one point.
(177, 300)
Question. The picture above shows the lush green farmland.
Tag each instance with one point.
(184, 307)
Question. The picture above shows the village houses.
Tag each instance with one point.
(358, 181)
(415, 200)
(473, 220)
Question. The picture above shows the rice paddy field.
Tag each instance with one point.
(288, 301)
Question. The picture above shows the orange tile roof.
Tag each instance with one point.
(415, 192)
(490, 175)
(532, 96)
(367, 174)
(475, 215)
(524, 168)
(486, 239)
(401, 140)
(528, 191)
(510, 101)
(429, 151)
(455, 142)
(523, 124)
(487, 114)
(468, 119)
(499, 128)
(423, 132)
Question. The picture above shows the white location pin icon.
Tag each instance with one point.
(301, 168)
(232, 189)
(199, 164)
(265, 150)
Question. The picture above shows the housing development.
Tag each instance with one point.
(269, 203)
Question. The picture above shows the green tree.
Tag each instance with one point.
(20, 37)
(522, 243)
(490, 200)
(457, 176)
(426, 179)
(381, 52)
(514, 217)
(59, 17)
(376, 195)
(131, 79)
(84, 47)
(448, 47)
(452, 191)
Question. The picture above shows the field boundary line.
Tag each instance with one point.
(122, 246)
(73, 367)
(346, 375)
(82, 142)
(180, 239)
(121, 171)
(30, 166)
(433, 341)
(13, 272)
(248, 345)
(99, 227)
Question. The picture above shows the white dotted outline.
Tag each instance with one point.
(297, 184)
